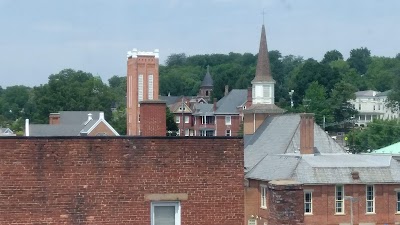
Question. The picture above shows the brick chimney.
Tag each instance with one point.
(250, 95)
(54, 118)
(226, 90)
(215, 104)
(153, 118)
(307, 133)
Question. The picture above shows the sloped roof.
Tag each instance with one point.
(207, 81)
(55, 130)
(391, 149)
(272, 153)
(281, 134)
(229, 104)
(264, 108)
(77, 117)
(263, 71)
(169, 99)
(203, 109)
(368, 93)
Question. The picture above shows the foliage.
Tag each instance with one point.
(317, 102)
(378, 134)
(359, 59)
(171, 124)
(331, 56)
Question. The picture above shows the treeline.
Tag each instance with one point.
(322, 87)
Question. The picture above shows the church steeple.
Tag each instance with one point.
(263, 71)
(207, 85)
(263, 83)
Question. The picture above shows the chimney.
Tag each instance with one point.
(226, 90)
(355, 175)
(215, 104)
(89, 117)
(101, 115)
(153, 114)
(54, 118)
(307, 133)
(250, 95)
(27, 127)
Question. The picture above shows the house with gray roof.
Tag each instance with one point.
(6, 132)
(72, 123)
(335, 183)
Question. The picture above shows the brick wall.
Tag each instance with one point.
(222, 127)
(108, 180)
(153, 118)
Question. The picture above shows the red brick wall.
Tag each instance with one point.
(234, 127)
(104, 180)
(153, 118)
(324, 205)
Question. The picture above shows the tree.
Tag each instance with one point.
(398, 56)
(176, 59)
(315, 101)
(378, 134)
(359, 59)
(339, 101)
(171, 124)
(331, 56)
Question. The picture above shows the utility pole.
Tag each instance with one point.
(291, 98)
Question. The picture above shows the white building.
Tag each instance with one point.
(372, 105)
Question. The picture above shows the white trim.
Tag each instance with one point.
(97, 123)
(366, 198)
(177, 206)
(311, 202)
(263, 196)
(341, 200)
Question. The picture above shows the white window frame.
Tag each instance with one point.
(177, 206)
(398, 201)
(228, 120)
(187, 132)
(263, 196)
(306, 192)
(369, 209)
(140, 87)
(150, 88)
(339, 200)
(252, 221)
(177, 119)
(187, 119)
(228, 133)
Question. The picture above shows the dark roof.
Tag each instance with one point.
(229, 104)
(207, 81)
(263, 71)
(203, 109)
(77, 117)
(169, 99)
(264, 108)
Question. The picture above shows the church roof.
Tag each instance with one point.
(263, 70)
(207, 81)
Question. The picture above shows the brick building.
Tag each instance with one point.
(121, 180)
(142, 85)
(329, 186)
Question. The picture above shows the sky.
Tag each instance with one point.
(42, 37)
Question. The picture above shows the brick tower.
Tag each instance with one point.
(142, 85)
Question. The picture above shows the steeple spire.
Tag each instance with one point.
(207, 81)
(263, 71)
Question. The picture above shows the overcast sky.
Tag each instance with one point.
(41, 37)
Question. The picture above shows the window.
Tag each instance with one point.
(252, 222)
(339, 199)
(228, 133)
(140, 87)
(150, 87)
(207, 120)
(263, 193)
(186, 132)
(186, 119)
(370, 199)
(359, 106)
(177, 119)
(228, 120)
(208, 133)
(258, 91)
(165, 213)
(266, 91)
(307, 202)
(398, 202)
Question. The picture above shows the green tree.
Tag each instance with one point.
(359, 59)
(331, 56)
(176, 59)
(339, 101)
(171, 124)
(315, 101)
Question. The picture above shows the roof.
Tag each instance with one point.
(207, 81)
(263, 71)
(203, 109)
(391, 149)
(368, 93)
(72, 123)
(229, 104)
(264, 108)
(169, 99)
(271, 153)
(6, 132)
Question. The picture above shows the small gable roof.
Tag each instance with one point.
(230, 103)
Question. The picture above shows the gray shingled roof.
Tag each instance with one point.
(203, 109)
(281, 134)
(77, 117)
(229, 104)
(169, 99)
(54, 130)
(368, 93)
(272, 153)
(207, 81)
